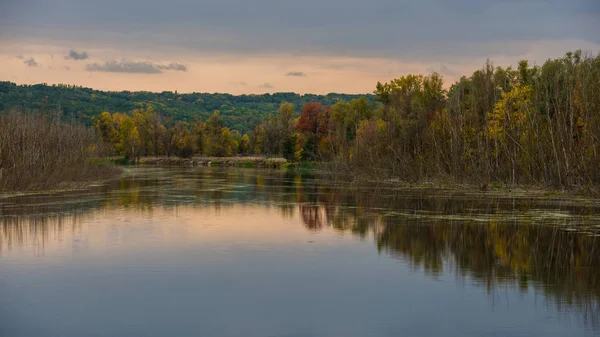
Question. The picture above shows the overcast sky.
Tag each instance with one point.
(255, 46)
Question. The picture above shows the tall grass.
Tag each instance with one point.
(37, 154)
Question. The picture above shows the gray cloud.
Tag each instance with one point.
(267, 86)
(134, 67)
(73, 55)
(20, 57)
(30, 62)
(124, 67)
(172, 66)
(380, 28)
(296, 74)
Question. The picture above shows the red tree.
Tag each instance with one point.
(309, 119)
(315, 119)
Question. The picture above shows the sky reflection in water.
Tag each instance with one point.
(232, 252)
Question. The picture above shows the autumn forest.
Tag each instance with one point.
(530, 125)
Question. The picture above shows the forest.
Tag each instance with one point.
(528, 125)
(76, 103)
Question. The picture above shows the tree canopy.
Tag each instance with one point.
(241, 112)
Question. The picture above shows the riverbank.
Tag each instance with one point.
(83, 177)
(253, 161)
(446, 183)
(101, 171)
(496, 189)
(466, 185)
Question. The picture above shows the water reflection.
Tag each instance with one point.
(546, 245)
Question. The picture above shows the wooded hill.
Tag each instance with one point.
(81, 104)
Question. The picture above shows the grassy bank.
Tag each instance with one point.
(257, 161)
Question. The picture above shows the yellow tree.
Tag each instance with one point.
(509, 127)
(244, 144)
(129, 141)
(258, 139)
(150, 126)
(172, 137)
(105, 125)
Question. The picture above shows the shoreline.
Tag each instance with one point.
(254, 161)
(581, 194)
(67, 186)
(249, 161)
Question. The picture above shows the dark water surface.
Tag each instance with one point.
(243, 252)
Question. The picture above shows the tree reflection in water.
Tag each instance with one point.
(548, 245)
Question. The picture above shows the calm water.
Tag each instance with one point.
(233, 252)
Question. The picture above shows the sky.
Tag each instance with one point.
(258, 46)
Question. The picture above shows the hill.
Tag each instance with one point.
(240, 112)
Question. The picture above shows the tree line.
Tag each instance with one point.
(535, 124)
(82, 105)
(527, 125)
(532, 124)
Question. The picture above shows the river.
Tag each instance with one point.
(249, 252)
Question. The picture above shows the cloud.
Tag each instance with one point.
(134, 67)
(296, 74)
(241, 40)
(239, 27)
(172, 66)
(73, 55)
(20, 57)
(124, 67)
(31, 62)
